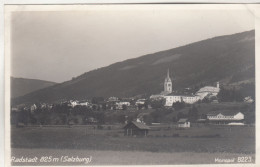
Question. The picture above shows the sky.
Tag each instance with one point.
(58, 45)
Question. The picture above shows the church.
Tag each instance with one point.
(171, 97)
(167, 88)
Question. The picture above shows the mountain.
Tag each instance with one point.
(229, 59)
(23, 86)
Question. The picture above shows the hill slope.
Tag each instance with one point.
(229, 59)
(23, 86)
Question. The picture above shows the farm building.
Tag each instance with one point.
(225, 117)
(183, 123)
(136, 129)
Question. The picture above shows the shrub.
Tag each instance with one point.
(175, 135)
(100, 127)
(115, 135)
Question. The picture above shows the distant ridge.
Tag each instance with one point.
(23, 86)
(229, 59)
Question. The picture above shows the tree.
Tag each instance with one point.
(121, 118)
(104, 106)
(124, 107)
(97, 100)
(158, 103)
(140, 106)
(230, 95)
(193, 114)
(205, 100)
(178, 105)
(146, 105)
(181, 115)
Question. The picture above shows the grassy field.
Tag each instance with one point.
(203, 143)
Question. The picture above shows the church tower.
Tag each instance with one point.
(168, 83)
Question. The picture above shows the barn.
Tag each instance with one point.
(136, 129)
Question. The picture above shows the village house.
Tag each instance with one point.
(73, 103)
(136, 129)
(83, 103)
(140, 102)
(113, 99)
(140, 117)
(33, 108)
(119, 105)
(183, 123)
(248, 99)
(14, 109)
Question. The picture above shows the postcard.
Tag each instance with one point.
(131, 84)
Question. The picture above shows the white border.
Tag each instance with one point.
(252, 7)
(126, 1)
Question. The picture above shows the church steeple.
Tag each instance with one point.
(168, 83)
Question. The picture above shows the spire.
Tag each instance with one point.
(168, 79)
(168, 83)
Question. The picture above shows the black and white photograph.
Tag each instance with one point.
(157, 84)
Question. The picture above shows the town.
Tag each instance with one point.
(183, 109)
(206, 121)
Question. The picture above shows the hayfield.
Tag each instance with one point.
(236, 139)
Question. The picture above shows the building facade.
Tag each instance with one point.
(225, 117)
(208, 91)
(183, 123)
(190, 99)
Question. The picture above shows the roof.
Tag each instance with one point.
(142, 114)
(138, 125)
(209, 89)
(224, 112)
(183, 120)
(180, 94)
(201, 120)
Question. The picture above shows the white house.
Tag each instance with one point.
(123, 103)
(84, 103)
(113, 99)
(208, 91)
(119, 105)
(248, 99)
(140, 101)
(183, 123)
(33, 107)
(73, 103)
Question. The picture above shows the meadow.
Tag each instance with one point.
(211, 141)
